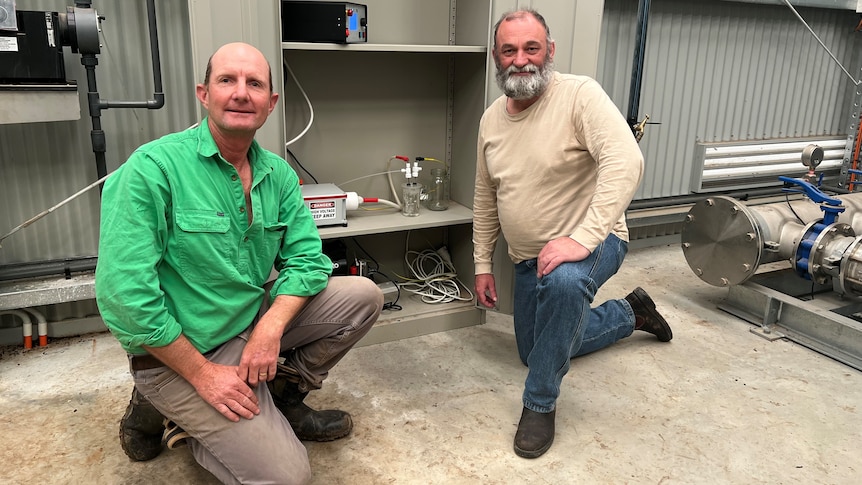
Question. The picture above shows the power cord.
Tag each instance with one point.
(307, 101)
(433, 277)
(300, 164)
(391, 305)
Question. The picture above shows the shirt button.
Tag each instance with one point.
(242, 210)
(233, 177)
(246, 239)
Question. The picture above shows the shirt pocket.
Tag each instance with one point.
(204, 243)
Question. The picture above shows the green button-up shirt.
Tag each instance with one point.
(177, 254)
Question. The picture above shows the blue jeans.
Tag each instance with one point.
(554, 321)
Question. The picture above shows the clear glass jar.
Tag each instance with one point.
(411, 192)
(438, 196)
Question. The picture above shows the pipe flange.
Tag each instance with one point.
(821, 246)
(849, 281)
(87, 30)
(722, 241)
(79, 29)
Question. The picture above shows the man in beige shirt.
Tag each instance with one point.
(557, 166)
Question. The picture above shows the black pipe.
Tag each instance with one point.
(158, 96)
(742, 195)
(694, 198)
(96, 105)
(97, 136)
(66, 267)
(638, 62)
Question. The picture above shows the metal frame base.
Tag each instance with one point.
(783, 305)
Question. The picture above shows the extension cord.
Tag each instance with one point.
(390, 291)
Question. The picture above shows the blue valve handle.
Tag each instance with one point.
(830, 206)
(811, 191)
(854, 172)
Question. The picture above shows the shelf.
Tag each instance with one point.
(314, 46)
(414, 93)
(46, 291)
(39, 103)
(416, 318)
(361, 222)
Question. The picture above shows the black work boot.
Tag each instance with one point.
(141, 429)
(647, 317)
(308, 424)
(535, 433)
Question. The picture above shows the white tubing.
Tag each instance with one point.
(389, 203)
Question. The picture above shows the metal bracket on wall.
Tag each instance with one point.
(846, 178)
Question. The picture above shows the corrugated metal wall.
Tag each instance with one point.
(714, 71)
(43, 163)
(727, 71)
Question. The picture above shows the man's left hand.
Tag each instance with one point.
(559, 251)
(260, 356)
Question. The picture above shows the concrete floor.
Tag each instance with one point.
(718, 404)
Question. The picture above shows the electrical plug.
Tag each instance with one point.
(444, 255)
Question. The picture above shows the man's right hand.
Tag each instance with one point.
(221, 387)
(486, 290)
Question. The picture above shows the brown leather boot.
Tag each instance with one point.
(535, 433)
(141, 429)
(308, 424)
(647, 318)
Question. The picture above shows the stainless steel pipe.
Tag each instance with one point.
(725, 241)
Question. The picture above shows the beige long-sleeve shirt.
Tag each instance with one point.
(566, 166)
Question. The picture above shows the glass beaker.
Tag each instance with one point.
(438, 199)
(411, 192)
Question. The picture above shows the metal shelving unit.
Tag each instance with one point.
(417, 92)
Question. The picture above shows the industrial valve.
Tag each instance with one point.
(725, 241)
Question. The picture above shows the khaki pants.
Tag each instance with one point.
(264, 449)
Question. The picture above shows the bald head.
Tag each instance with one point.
(237, 50)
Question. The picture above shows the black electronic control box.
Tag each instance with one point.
(33, 53)
(336, 22)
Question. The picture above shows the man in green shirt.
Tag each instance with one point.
(192, 226)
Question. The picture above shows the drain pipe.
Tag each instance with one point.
(42, 325)
(27, 326)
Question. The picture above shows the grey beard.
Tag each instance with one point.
(518, 87)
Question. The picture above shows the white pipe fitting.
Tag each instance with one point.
(42, 325)
(27, 326)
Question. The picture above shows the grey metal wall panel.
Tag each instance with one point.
(727, 71)
(43, 163)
